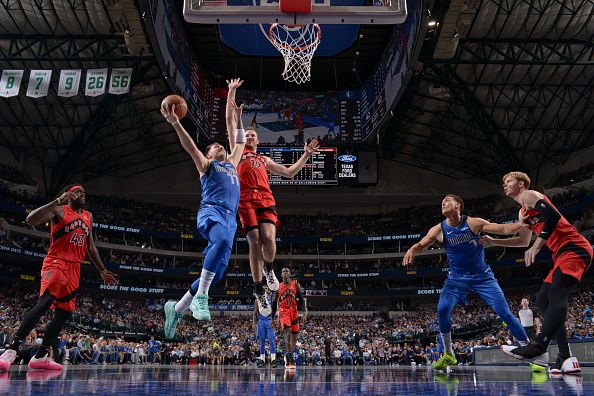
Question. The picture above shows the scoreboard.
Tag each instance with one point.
(350, 120)
(320, 168)
(330, 166)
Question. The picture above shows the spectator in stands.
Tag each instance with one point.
(154, 348)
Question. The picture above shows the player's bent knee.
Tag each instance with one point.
(253, 238)
(444, 307)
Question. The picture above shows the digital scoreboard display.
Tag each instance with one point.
(329, 166)
(320, 168)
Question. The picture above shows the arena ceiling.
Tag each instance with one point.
(505, 85)
(499, 85)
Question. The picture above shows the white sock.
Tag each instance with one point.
(272, 357)
(262, 357)
(184, 303)
(206, 278)
(447, 342)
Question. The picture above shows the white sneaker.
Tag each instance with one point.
(526, 354)
(271, 280)
(571, 366)
(263, 305)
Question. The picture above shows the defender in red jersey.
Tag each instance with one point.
(572, 256)
(290, 302)
(257, 207)
(71, 241)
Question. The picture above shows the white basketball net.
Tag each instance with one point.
(297, 44)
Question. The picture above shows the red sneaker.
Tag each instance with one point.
(6, 359)
(45, 363)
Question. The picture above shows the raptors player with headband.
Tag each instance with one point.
(572, 255)
(292, 312)
(257, 207)
(71, 241)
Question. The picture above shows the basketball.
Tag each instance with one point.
(181, 107)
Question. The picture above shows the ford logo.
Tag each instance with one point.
(347, 158)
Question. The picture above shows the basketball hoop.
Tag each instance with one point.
(297, 44)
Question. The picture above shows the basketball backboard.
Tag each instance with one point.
(267, 11)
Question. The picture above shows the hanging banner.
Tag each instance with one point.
(95, 83)
(69, 82)
(10, 83)
(119, 83)
(39, 81)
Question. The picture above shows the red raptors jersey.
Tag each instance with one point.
(69, 236)
(287, 296)
(563, 233)
(252, 173)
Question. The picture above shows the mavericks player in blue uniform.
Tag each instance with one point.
(217, 214)
(468, 270)
(264, 331)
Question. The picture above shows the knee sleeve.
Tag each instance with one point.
(444, 312)
(556, 314)
(542, 298)
(219, 249)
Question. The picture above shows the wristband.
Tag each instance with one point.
(240, 135)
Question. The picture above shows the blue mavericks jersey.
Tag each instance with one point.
(220, 186)
(465, 254)
(265, 319)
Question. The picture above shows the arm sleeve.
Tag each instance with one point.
(550, 216)
(240, 135)
(300, 300)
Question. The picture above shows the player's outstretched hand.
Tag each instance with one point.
(486, 240)
(312, 147)
(234, 83)
(169, 114)
(109, 278)
(409, 257)
(237, 111)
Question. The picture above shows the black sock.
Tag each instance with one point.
(258, 288)
(42, 352)
(267, 266)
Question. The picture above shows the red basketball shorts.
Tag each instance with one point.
(257, 208)
(572, 260)
(60, 278)
(289, 319)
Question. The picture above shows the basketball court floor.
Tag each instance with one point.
(244, 381)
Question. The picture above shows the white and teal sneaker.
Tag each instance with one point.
(199, 307)
(172, 318)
